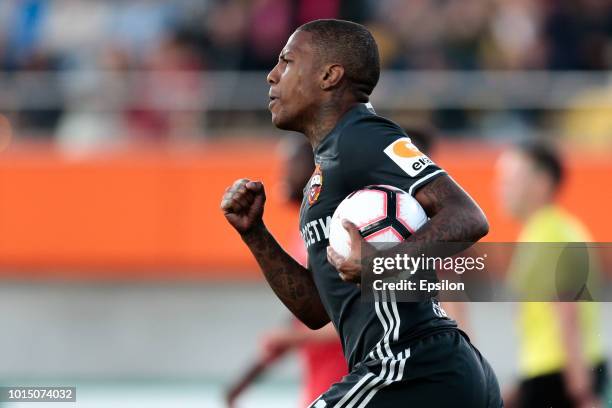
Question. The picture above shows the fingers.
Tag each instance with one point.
(349, 225)
(353, 231)
(254, 186)
(259, 194)
(238, 198)
(347, 271)
(334, 258)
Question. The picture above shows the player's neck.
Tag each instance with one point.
(325, 119)
(530, 211)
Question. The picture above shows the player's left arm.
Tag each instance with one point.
(576, 373)
(454, 215)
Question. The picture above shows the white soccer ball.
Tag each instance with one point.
(382, 213)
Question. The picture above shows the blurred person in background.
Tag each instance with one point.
(561, 360)
(320, 350)
(84, 131)
(235, 35)
(578, 34)
(43, 113)
(170, 92)
(262, 40)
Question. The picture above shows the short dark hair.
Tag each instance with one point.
(351, 45)
(546, 158)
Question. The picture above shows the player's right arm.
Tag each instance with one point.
(576, 373)
(243, 207)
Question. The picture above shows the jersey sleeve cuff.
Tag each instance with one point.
(424, 180)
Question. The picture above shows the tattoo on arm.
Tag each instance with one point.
(292, 283)
(455, 217)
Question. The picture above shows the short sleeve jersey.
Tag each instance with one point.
(364, 149)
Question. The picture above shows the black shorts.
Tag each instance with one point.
(549, 390)
(438, 371)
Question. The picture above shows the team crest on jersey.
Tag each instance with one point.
(407, 156)
(314, 185)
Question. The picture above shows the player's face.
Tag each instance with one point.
(293, 83)
(520, 185)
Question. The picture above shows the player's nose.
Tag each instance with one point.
(272, 77)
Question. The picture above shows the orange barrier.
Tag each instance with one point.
(153, 213)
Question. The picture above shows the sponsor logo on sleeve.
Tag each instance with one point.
(407, 156)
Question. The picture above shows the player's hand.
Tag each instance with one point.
(588, 401)
(278, 341)
(243, 205)
(349, 268)
(579, 386)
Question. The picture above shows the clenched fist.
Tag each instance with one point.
(243, 204)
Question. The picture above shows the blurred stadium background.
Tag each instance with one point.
(123, 121)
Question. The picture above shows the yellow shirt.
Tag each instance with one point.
(541, 349)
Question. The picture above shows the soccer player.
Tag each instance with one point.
(399, 354)
(561, 356)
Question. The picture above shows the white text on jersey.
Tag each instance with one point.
(316, 230)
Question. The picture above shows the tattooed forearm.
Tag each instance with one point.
(292, 283)
(454, 217)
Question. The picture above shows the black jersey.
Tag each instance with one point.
(364, 149)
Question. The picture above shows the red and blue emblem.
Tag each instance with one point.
(314, 185)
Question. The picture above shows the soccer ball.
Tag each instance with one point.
(382, 214)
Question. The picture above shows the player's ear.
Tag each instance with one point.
(332, 75)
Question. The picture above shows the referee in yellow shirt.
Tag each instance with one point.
(561, 359)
